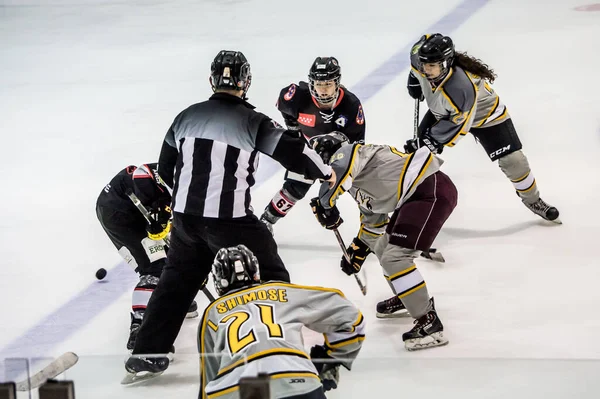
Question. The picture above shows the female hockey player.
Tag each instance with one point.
(458, 92)
(138, 242)
(320, 106)
(420, 198)
(257, 326)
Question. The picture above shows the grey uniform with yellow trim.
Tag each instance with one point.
(465, 102)
(460, 102)
(381, 179)
(259, 330)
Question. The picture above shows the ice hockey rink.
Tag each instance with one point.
(89, 87)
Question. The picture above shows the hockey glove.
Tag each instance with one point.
(424, 140)
(160, 223)
(329, 218)
(414, 87)
(357, 251)
(329, 372)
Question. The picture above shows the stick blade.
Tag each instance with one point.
(58, 366)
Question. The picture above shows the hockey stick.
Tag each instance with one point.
(431, 253)
(361, 285)
(138, 204)
(416, 120)
(58, 366)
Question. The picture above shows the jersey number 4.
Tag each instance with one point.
(235, 341)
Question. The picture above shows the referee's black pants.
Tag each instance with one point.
(195, 241)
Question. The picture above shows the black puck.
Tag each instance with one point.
(101, 273)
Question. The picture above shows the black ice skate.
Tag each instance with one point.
(192, 311)
(427, 332)
(141, 368)
(133, 332)
(544, 210)
(391, 308)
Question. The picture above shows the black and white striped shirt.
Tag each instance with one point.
(211, 152)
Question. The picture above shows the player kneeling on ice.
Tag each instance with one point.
(420, 197)
(256, 327)
(140, 243)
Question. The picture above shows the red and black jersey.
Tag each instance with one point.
(301, 111)
(143, 181)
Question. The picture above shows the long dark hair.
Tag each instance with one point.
(475, 66)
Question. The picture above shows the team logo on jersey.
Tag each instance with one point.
(290, 93)
(130, 169)
(360, 116)
(363, 200)
(341, 121)
(307, 119)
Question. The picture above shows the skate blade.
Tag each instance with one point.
(396, 315)
(191, 315)
(557, 221)
(430, 341)
(434, 256)
(133, 378)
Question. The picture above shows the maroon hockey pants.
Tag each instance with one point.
(419, 220)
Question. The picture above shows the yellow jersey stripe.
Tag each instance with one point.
(338, 190)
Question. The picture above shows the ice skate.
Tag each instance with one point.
(142, 368)
(546, 211)
(192, 311)
(391, 308)
(428, 332)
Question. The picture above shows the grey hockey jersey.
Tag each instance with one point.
(258, 330)
(380, 179)
(460, 102)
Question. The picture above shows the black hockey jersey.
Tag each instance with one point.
(300, 110)
(143, 181)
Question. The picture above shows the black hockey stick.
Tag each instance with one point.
(416, 120)
(361, 285)
(138, 204)
(431, 253)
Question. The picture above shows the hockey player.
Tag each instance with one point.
(458, 92)
(139, 243)
(257, 326)
(210, 155)
(420, 197)
(320, 106)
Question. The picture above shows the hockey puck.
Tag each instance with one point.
(101, 273)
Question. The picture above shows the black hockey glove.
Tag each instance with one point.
(357, 251)
(160, 223)
(329, 371)
(329, 218)
(414, 87)
(424, 140)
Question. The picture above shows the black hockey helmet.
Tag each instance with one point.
(234, 267)
(437, 48)
(327, 144)
(324, 69)
(230, 70)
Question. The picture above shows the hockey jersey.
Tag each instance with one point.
(258, 330)
(144, 181)
(300, 111)
(380, 179)
(460, 102)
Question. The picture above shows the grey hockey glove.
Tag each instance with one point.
(424, 140)
(329, 372)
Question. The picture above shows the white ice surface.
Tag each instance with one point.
(88, 87)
